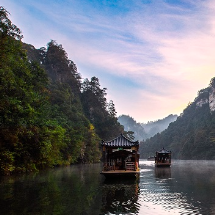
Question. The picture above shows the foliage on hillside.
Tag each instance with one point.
(191, 136)
(47, 116)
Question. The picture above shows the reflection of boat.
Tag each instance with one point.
(163, 173)
(151, 158)
(120, 197)
(120, 157)
(163, 158)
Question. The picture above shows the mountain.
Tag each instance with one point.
(192, 135)
(143, 131)
(154, 127)
(131, 125)
(48, 115)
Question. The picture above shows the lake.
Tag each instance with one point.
(187, 187)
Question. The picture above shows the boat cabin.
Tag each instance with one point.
(163, 158)
(120, 156)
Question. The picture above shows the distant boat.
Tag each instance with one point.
(120, 157)
(163, 158)
(151, 158)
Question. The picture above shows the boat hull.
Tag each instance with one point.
(121, 174)
(162, 164)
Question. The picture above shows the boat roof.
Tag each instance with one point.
(163, 151)
(120, 141)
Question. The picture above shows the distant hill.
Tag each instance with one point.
(154, 127)
(192, 135)
(131, 125)
(143, 131)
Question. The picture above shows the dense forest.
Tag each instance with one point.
(192, 135)
(48, 116)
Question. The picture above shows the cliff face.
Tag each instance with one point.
(206, 97)
(202, 102)
(212, 99)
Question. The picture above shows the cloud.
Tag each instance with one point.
(153, 57)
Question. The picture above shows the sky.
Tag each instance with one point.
(153, 56)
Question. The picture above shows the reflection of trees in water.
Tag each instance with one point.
(69, 190)
(120, 196)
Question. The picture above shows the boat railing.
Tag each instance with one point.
(163, 161)
(109, 166)
(130, 165)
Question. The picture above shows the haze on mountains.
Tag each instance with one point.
(142, 131)
(192, 135)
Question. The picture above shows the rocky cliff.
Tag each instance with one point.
(206, 97)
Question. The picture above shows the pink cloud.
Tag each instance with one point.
(167, 51)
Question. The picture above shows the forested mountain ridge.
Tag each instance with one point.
(192, 135)
(48, 117)
(142, 131)
(63, 73)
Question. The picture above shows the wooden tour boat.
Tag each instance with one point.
(163, 158)
(120, 157)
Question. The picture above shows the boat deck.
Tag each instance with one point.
(120, 173)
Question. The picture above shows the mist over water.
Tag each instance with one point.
(187, 187)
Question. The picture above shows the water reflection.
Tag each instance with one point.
(179, 189)
(163, 172)
(187, 187)
(70, 190)
(120, 197)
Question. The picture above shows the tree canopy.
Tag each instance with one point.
(48, 117)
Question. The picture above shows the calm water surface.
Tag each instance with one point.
(188, 187)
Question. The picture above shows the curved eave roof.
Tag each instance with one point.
(163, 151)
(120, 141)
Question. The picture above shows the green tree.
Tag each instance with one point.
(101, 114)
(111, 109)
(26, 140)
